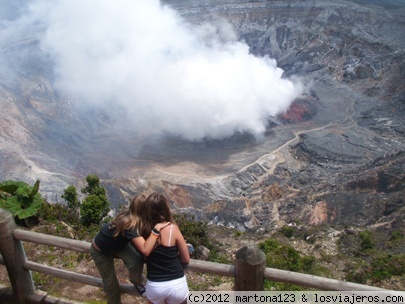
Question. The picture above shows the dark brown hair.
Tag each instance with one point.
(156, 210)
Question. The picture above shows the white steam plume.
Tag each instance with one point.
(192, 81)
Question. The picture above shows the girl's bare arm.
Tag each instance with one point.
(182, 247)
(146, 246)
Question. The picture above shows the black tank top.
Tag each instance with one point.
(164, 263)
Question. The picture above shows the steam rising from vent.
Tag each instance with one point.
(167, 75)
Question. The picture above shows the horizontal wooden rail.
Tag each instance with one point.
(74, 276)
(64, 243)
(51, 240)
(294, 278)
(84, 247)
(311, 281)
(211, 268)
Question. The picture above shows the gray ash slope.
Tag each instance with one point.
(343, 163)
(337, 157)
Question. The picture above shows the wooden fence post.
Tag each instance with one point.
(14, 258)
(249, 268)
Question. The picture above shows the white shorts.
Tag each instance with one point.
(170, 292)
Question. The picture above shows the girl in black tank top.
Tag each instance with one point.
(165, 264)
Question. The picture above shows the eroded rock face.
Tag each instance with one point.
(336, 157)
(340, 168)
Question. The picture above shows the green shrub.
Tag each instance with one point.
(281, 256)
(238, 233)
(93, 209)
(308, 263)
(58, 212)
(269, 245)
(288, 231)
(284, 257)
(95, 206)
(366, 243)
(218, 257)
(71, 197)
(396, 235)
(381, 267)
(386, 265)
(194, 232)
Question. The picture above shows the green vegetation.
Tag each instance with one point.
(376, 268)
(396, 239)
(373, 262)
(58, 220)
(366, 243)
(71, 197)
(288, 231)
(196, 233)
(396, 235)
(25, 201)
(21, 199)
(95, 205)
(282, 256)
(370, 257)
(237, 234)
(57, 213)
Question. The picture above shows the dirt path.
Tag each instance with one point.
(275, 157)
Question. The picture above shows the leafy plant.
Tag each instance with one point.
(366, 242)
(287, 231)
(55, 213)
(21, 199)
(219, 257)
(93, 186)
(70, 195)
(396, 235)
(237, 234)
(195, 232)
(94, 207)
(269, 245)
(382, 266)
(285, 257)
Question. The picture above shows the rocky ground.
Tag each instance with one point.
(324, 247)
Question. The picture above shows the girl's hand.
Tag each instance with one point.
(160, 226)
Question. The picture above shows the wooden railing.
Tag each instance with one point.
(249, 270)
